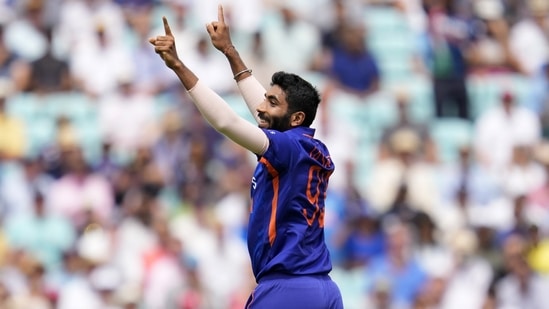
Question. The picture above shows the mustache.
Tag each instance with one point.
(262, 116)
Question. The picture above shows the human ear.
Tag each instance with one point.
(297, 118)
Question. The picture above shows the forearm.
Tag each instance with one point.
(226, 121)
(253, 93)
(238, 67)
(185, 75)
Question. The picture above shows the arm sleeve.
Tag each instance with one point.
(253, 93)
(226, 121)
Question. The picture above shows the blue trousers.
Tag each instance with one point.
(295, 292)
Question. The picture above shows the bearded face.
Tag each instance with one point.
(274, 122)
(273, 112)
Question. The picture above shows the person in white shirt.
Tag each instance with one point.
(529, 38)
(127, 117)
(521, 287)
(500, 128)
(97, 63)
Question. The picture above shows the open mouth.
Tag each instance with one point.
(263, 123)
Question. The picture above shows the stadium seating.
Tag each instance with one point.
(449, 134)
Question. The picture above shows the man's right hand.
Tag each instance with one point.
(164, 45)
(219, 32)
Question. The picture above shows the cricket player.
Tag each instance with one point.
(289, 256)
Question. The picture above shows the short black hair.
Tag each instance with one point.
(300, 95)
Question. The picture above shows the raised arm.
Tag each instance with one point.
(252, 91)
(212, 107)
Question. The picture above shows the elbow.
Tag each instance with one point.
(225, 125)
(223, 129)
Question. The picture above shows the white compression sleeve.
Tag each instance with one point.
(253, 93)
(226, 121)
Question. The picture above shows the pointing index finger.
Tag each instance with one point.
(220, 16)
(167, 29)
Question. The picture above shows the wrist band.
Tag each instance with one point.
(242, 72)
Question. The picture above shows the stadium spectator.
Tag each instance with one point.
(98, 63)
(171, 149)
(426, 148)
(493, 149)
(415, 14)
(349, 65)
(521, 224)
(429, 247)
(127, 117)
(25, 36)
(538, 248)
(19, 186)
(538, 98)
(107, 164)
(514, 11)
(79, 288)
(65, 139)
(443, 53)
(349, 69)
(49, 73)
(164, 277)
(489, 249)
(14, 69)
(232, 204)
(13, 141)
(363, 241)
(332, 14)
(403, 183)
(397, 268)
(43, 234)
(302, 39)
(353, 229)
(207, 62)
(523, 174)
(37, 294)
(133, 237)
(537, 208)
(520, 287)
(78, 21)
(528, 38)
(489, 52)
(80, 193)
(469, 278)
(431, 294)
(467, 176)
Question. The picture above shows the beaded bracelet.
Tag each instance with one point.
(242, 72)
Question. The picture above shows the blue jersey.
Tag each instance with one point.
(286, 227)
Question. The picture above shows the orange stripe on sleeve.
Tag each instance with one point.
(272, 222)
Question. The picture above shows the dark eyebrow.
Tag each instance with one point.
(271, 97)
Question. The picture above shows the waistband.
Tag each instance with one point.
(276, 276)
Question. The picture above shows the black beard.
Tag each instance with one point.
(279, 123)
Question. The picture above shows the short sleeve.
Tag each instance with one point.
(281, 149)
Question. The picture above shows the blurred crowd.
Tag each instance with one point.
(115, 193)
